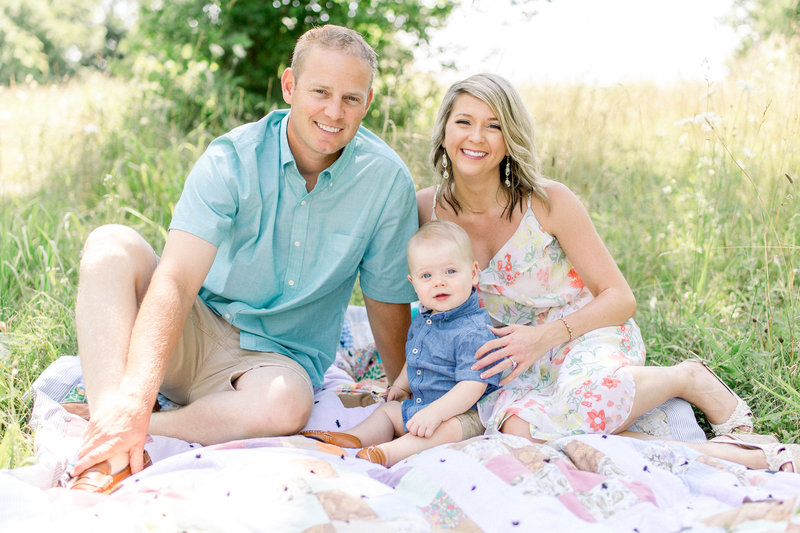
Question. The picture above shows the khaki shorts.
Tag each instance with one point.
(470, 424)
(208, 358)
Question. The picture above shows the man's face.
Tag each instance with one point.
(329, 98)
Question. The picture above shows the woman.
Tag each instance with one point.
(563, 307)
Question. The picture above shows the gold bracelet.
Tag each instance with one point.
(569, 328)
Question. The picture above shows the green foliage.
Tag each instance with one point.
(45, 40)
(757, 20)
(693, 189)
(197, 50)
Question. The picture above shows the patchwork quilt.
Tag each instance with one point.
(498, 483)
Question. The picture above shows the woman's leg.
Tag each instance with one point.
(749, 457)
(514, 425)
(689, 380)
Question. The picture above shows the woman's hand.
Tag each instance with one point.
(516, 344)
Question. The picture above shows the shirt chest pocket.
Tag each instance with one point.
(341, 255)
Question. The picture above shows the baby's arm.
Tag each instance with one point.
(458, 400)
(400, 389)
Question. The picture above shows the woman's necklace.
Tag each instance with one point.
(474, 211)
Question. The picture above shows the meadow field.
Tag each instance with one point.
(693, 187)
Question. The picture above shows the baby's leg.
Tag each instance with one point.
(407, 445)
(382, 425)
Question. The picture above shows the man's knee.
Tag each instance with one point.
(279, 401)
(118, 247)
(277, 419)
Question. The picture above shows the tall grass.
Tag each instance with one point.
(691, 186)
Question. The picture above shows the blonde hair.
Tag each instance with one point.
(442, 231)
(516, 125)
(334, 37)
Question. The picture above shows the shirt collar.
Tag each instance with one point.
(468, 307)
(335, 171)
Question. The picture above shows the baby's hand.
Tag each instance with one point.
(424, 423)
(397, 394)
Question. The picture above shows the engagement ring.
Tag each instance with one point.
(513, 363)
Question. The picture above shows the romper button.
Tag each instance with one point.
(428, 321)
(227, 315)
(291, 282)
(419, 372)
(414, 350)
(303, 202)
(419, 400)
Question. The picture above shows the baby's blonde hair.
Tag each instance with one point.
(439, 231)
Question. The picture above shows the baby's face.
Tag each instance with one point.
(441, 275)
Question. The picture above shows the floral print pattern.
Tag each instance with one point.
(575, 388)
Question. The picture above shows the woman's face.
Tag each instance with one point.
(473, 139)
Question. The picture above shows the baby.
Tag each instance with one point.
(433, 400)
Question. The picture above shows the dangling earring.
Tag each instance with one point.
(445, 174)
(508, 172)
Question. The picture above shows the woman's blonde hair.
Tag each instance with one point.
(516, 124)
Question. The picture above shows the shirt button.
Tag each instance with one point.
(414, 351)
(428, 321)
(419, 400)
(419, 372)
(297, 243)
(291, 283)
(303, 202)
(227, 315)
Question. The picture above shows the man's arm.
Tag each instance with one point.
(389, 324)
(121, 426)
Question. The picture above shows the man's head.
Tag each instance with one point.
(334, 37)
(441, 265)
(329, 89)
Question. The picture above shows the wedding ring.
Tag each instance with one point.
(513, 363)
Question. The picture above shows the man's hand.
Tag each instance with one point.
(120, 427)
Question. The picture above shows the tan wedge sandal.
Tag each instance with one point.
(778, 454)
(741, 419)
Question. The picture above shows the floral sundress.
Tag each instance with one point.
(575, 387)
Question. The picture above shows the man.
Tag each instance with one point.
(240, 317)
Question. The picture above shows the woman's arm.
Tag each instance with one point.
(401, 389)
(569, 222)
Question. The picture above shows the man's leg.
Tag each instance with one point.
(115, 270)
(268, 401)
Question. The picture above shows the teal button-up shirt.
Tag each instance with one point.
(287, 259)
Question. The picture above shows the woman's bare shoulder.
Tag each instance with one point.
(562, 202)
